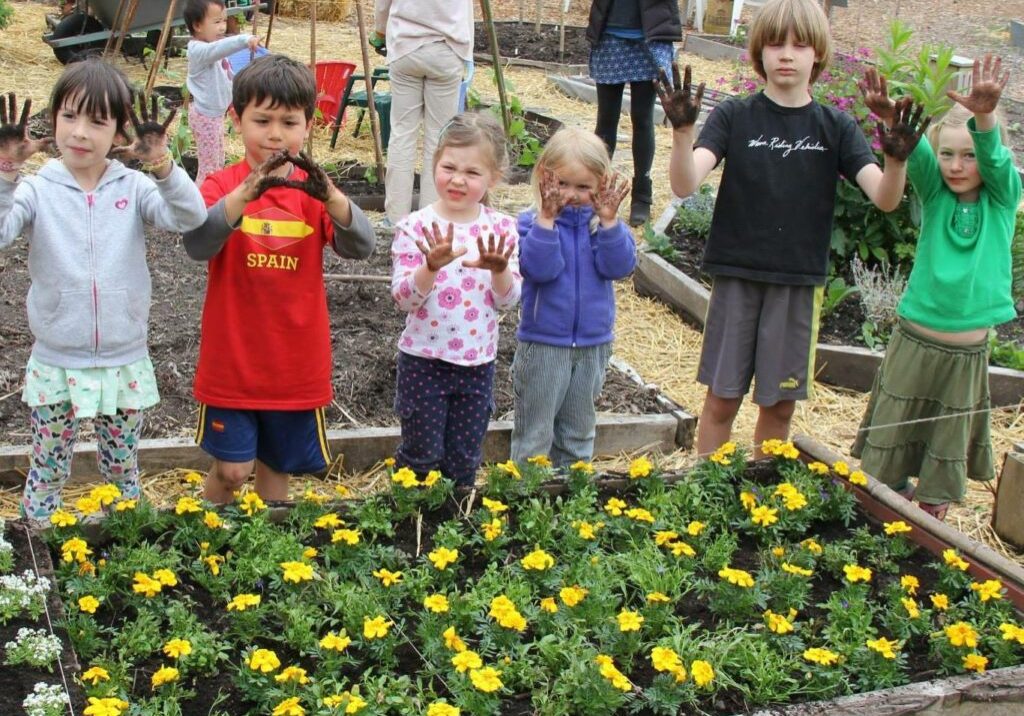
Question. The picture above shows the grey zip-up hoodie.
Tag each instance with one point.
(88, 304)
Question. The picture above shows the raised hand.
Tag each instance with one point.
(552, 201)
(317, 184)
(150, 145)
(15, 143)
(259, 179)
(681, 106)
(899, 140)
(610, 193)
(875, 91)
(437, 247)
(493, 258)
(987, 83)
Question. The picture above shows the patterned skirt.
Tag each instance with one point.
(616, 60)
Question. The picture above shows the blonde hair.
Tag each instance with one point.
(567, 146)
(804, 18)
(957, 117)
(475, 129)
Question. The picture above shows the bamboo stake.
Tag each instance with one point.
(255, 17)
(270, 24)
(540, 6)
(126, 23)
(371, 104)
(499, 76)
(522, 11)
(356, 278)
(161, 45)
(312, 61)
(561, 33)
(122, 8)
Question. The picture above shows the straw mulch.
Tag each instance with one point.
(662, 348)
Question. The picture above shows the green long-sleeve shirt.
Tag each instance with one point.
(961, 284)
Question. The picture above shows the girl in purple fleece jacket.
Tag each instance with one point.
(571, 250)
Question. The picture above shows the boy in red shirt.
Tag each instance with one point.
(264, 373)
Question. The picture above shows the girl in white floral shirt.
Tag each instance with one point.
(455, 265)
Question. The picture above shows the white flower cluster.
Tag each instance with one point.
(6, 551)
(33, 647)
(46, 700)
(26, 593)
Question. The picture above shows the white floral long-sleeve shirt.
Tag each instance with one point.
(457, 321)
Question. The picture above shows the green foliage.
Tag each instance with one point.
(6, 13)
(659, 243)
(524, 147)
(694, 215)
(836, 291)
(1007, 354)
(924, 76)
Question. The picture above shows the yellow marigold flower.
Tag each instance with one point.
(431, 479)
(539, 460)
(954, 560)
(695, 528)
(549, 605)
(437, 603)
(442, 557)
(975, 662)
(582, 466)
(506, 614)
(858, 478)
(389, 462)
(777, 622)
(106, 494)
(214, 561)
(812, 546)
(664, 537)
(492, 529)
(317, 498)
(720, 458)
(125, 505)
(658, 598)
(736, 576)
(910, 604)
(146, 585)
(940, 602)
(821, 656)
(538, 560)
(885, 647)
(333, 641)
(681, 549)
(466, 660)
(289, 707)
(855, 573)
(897, 528)
(440, 708)
(164, 675)
(640, 467)
(264, 661)
(193, 478)
(573, 595)
(664, 659)
(187, 506)
(496, 507)
(764, 516)
(640, 515)
(989, 589)
(614, 506)
(75, 549)
(702, 673)
(794, 569)
(177, 648)
(212, 520)
(63, 518)
(342, 491)
(789, 451)
(106, 706)
(328, 521)
(962, 634)
(86, 569)
(795, 501)
(509, 467)
(486, 679)
(310, 553)
(335, 700)
(296, 572)
(349, 537)
(95, 674)
(292, 673)
(629, 621)
(909, 583)
(841, 468)
(611, 673)
(243, 601)
(387, 577)
(452, 640)
(785, 488)
(778, 551)
(376, 628)
(88, 604)
(252, 503)
(405, 478)
(354, 704)
(1012, 632)
(772, 446)
(166, 577)
(819, 468)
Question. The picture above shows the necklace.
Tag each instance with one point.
(965, 219)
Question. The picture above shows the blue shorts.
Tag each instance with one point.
(293, 441)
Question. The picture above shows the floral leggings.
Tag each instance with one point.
(54, 430)
(209, 136)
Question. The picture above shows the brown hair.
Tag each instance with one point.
(475, 129)
(98, 89)
(282, 80)
(195, 11)
(804, 18)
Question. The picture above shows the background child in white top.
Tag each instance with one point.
(209, 78)
(452, 282)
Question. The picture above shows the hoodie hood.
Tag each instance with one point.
(55, 171)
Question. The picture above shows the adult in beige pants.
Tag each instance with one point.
(428, 43)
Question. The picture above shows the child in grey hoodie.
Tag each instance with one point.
(88, 306)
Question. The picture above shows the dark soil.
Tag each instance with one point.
(365, 326)
(521, 41)
(17, 682)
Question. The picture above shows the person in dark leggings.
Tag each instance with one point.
(631, 41)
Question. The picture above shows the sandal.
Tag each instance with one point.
(937, 511)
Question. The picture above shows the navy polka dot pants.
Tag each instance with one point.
(444, 409)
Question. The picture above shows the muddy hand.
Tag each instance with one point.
(875, 91)
(681, 106)
(262, 178)
(987, 84)
(437, 247)
(493, 258)
(15, 143)
(609, 196)
(551, 199)
(908, 125)
(150, 143)
(316, 184)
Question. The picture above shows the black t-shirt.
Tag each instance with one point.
(773, 214)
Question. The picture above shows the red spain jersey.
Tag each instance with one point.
(266, 339)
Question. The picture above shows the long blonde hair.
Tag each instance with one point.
(571, 145)
(957, 116)
(807, 21)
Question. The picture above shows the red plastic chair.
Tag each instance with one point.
(332, 77)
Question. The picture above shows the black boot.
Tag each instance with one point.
(640, 205)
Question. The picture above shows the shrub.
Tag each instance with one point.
(6, 13)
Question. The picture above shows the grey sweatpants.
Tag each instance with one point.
(555, 390)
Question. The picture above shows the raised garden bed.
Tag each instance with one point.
(519, 44)
(650, 594)
(713, 47)
(679, 285)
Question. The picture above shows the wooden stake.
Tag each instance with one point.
(540, 7)
(522, 11)
(126, 22)
(561, 34)
(371, 104)
(356, 278)
(161, 45)
(485, 10)
(270, 24)
(255, 16)
(312, 62)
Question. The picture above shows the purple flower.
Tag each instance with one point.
(449, 298)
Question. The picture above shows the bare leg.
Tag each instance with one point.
(271, 484)
(715, 424)
(225, 479)
(773, 422)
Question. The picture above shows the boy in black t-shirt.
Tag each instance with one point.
(771, 230)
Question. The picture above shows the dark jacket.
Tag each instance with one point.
(659, 18)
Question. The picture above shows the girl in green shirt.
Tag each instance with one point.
(928, 412)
